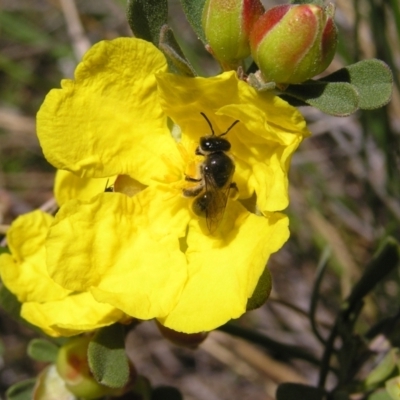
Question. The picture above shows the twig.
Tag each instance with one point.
(4, 229)
(296, 309)
(80, 42)
(50, 206)
(268, 343)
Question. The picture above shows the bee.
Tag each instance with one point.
(216, 172)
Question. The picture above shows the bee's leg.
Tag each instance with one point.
(190, 179)
(193, 192)
(233, 191)
(198, 152)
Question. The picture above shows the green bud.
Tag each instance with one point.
(227, 25)
(293, 43)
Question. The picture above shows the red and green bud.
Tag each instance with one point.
(227, 25)
(73, 368)
(293, 43)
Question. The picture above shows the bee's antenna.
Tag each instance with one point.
(222, 134)
(208, 121)
(109, 188)
(212, 130)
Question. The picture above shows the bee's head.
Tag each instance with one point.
(211, 144)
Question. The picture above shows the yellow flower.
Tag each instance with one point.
(57, 311)
(140, 248)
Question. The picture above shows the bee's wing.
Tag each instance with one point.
(217, 205)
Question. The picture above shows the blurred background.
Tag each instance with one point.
(344, 194)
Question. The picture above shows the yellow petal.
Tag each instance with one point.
(24, 271)
(69, 186)
(269, 131)
(126, 250)
(224, 270)
(108, 120)
(73, 315)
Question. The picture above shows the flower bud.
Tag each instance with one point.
(190, 340)
(49, 385)
(72, 365)
(292, 43)
(227, 25)
(393, 388)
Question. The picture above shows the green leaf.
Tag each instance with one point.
(10, 303)
(166, 393)
(315, 294)
(383, 370)
(334, 98)
(21, 390)
(373, 80)
(194, 10)
(386, 259)
(142, 388)
(296, 391)
(340, 395)
(146, 17)
(380, 395)
(170, 47)
(107, 357)
(261, 292)
(4, 250)
(42, 350)
(395, 9)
